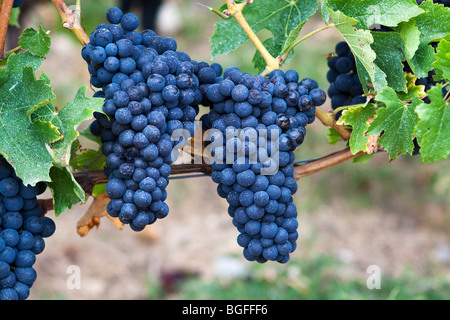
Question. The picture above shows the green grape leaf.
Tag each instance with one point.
(422, 62)
(324, 11)
(99, 189)
(411, 35)
(377, 12)
(80, 109)
(333, 136)
(364, 158)
(38, 42)
(279, 17)
(433, 25)
(360, 42)
(25, 144)
(16, 63)
(67, 121)
(358, 118)
(433, 129)
(412, 89)
(390, 50)
(442, 63)
(14, 18)
(65, 189)
(395, 123)
(88, 159)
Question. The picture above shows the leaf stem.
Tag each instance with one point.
(337, 110)
(328, 120)
(71, 20)
(235, 11)
(8, 53)
(5, 15)
(223, 15)
(289, 49)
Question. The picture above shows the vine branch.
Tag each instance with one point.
(323, 163)
(89, 178)
(5, 15)
(71, 20)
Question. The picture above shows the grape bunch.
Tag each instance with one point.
(345, 87)
(152, 94)
(22, 233)
(256, 123)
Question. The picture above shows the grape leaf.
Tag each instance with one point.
(15, 64)
(333, 136)
(364, 158)
(360, 42)
(38, 42)
(390, 50)
(442, 63)
(433, 25)
(14, 19)
(65, 189)
(324, 11)
(411, 35)
(433, 130)
(279, 17)
(412, 89)
(422, 62)
(395, 123)
(67, 119)
(88, 159)
(377, 12)
(358, 118)
(23, 143)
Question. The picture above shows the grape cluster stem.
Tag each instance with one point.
(5, 15)
(328, 120)
(235, 10)
(71, 20)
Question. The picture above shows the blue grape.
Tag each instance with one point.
(343, 78)
(260, 109)
(129, 22)
(22, 229)
(114, 15)
(151, 90)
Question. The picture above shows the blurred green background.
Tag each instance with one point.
(393, 215)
